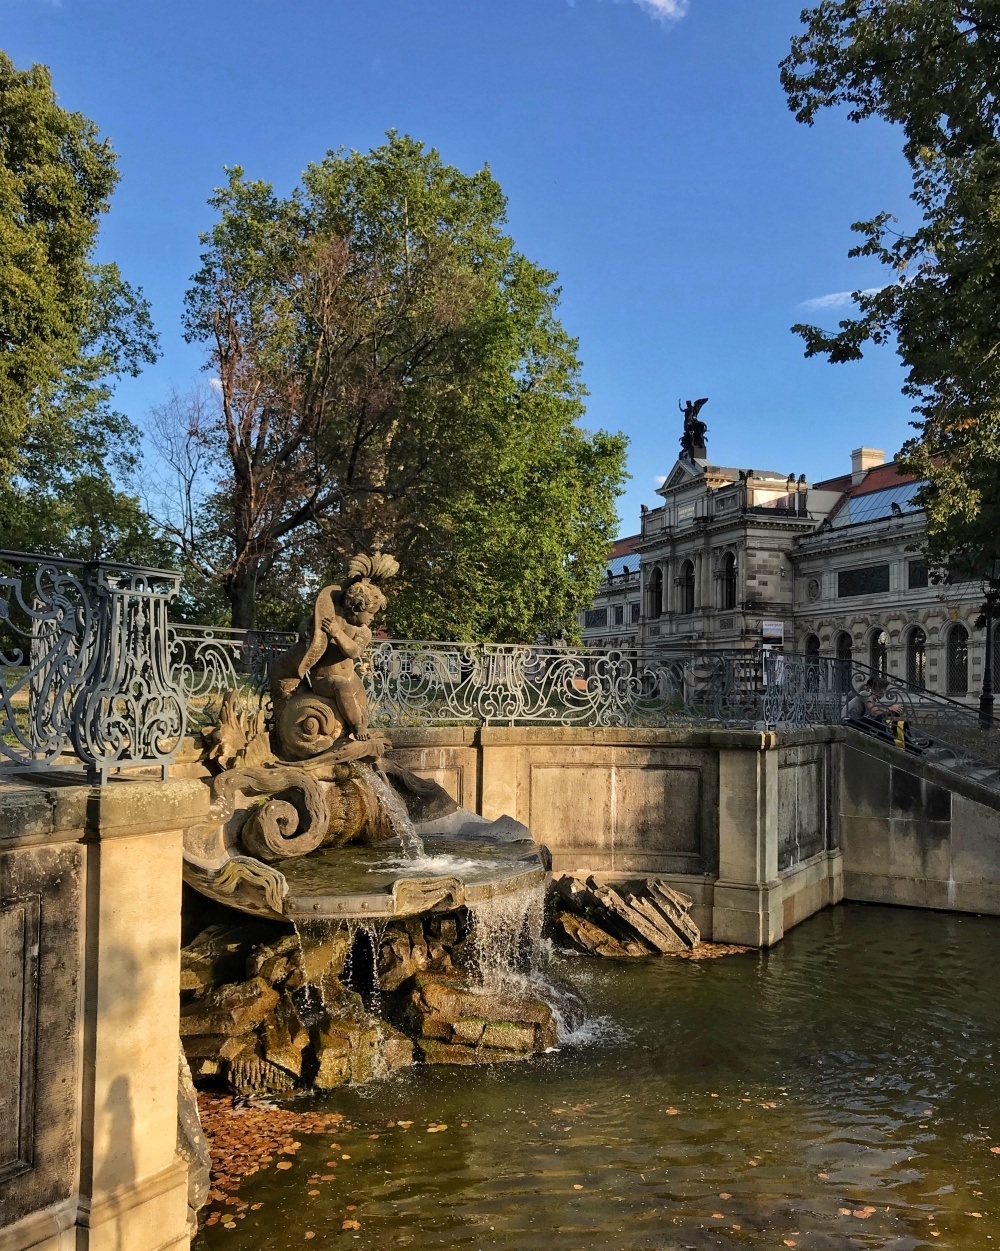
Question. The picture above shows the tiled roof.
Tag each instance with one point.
(624, 547)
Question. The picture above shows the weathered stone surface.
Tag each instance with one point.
(276, 961)
(324, 952)
(219, 954)
(458, 1017)
(251, 1073)
(285, 1037)
(450, 1053)
(635, 919)
(235, 1008)
(355, 1047)
(192, 1145)
(584, 935)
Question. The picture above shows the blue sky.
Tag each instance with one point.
(645, 147)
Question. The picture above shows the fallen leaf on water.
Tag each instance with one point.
(737, 1226)
(255, 1207)
(577, 1186)
(789, 1242)
(670, 1111)
(717, 1216)
(844, 1211)
(351, 1225)
(725, 1195)
(714, 1095)
(373, 1135)
(825, 1176)
(404, 1124)
(752, 1163)
(995, 1150)
(310, 1233)
(314, 1193)
(352, 1207)
(863, 1213)
(328, 1176)
(284, 1164)
(976, 1214)
(465, 1124)
(768, 1105)
(343, 1157)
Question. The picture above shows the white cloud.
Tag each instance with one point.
(215, 384)
(659, 480)
(836, 299)
(665, 10)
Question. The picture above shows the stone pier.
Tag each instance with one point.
(90, 889)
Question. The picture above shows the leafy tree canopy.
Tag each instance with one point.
(391, 373)
(932, 68)
(68, 327)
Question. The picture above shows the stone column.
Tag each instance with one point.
(99, 1168)
(748, 892)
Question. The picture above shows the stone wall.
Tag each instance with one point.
(915, 835)
(90, 887)
(744, 822)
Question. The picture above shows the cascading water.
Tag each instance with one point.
(395, 810)
(510, 956)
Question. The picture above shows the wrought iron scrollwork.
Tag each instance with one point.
(84, 664)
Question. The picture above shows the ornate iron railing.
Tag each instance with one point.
(90, 666)
(84, 664)
(207, 661)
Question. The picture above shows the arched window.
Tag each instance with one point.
(729, 581)
(654, 593)
(686, 586)
(812, 644)
(916, 657)
(958, 660)
(845, 655)
(878, 652)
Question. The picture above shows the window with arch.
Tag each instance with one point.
(654, 593)
(878, 652)
(685, 584)
(844, 650)
(958, 660)
(812, 644)
(916, 657)
(729, 581)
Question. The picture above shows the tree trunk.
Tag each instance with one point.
(241, 591)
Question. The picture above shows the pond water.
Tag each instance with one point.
(839, 1091)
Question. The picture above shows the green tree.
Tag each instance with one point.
(68, 328)
(392, 374)
(932, 69)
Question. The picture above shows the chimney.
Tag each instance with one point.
(863, 459)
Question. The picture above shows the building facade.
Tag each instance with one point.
(742, 558)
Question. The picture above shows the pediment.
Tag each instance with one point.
(682, 473)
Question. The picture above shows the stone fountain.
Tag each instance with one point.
(376, 898)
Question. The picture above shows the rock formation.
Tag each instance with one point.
(639, 918)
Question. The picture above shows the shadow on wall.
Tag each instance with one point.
(118, 1169)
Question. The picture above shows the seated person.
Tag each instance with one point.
(871, 708)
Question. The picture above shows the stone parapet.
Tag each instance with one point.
(90, 886)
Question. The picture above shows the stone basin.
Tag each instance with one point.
(467, 860)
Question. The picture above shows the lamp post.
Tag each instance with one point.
(990, 583)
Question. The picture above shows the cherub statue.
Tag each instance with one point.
(319, 670)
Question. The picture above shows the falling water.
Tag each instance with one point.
(510, 956)
(395, 811)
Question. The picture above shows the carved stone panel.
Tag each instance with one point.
(18, 1024)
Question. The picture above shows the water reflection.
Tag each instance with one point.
(837, 1092)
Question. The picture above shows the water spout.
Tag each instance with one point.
(395, 811)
